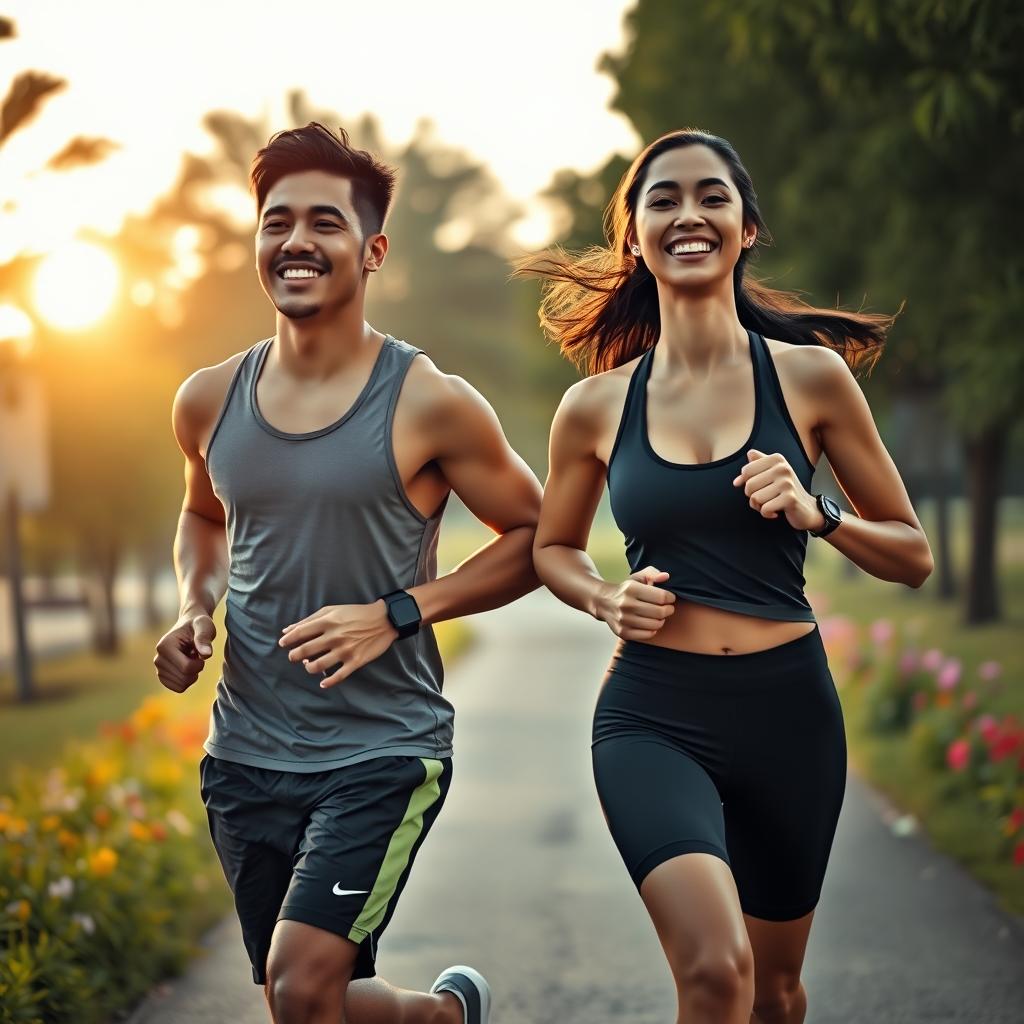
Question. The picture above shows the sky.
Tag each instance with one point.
(516, 86)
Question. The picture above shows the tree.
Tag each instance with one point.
(879, 132)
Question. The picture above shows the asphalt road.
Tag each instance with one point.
(520, 879)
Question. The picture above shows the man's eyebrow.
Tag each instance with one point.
(330, 211)
(703, 183)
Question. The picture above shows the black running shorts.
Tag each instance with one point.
(742, 756)
(331, 849)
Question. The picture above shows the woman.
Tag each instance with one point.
(719, 749)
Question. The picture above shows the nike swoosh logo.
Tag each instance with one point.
(347, 892)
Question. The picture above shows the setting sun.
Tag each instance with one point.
(75, 286)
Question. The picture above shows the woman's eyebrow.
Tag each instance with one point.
(703, 183)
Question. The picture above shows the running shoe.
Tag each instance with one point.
(470, 988)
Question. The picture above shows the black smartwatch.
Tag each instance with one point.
(403, 612)
(831, 511)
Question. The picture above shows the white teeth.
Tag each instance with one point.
(683, 247)
(296, 272)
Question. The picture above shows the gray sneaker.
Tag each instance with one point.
(470, 988)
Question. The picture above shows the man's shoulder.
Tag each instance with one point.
(201, 395)
(429, 391)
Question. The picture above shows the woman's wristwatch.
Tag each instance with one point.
(831, 511)
(403, 612)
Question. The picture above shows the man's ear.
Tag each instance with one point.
(376, 251)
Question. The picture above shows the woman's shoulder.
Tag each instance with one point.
(596, 401)
(808, 368)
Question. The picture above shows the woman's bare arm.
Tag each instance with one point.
(885, 537)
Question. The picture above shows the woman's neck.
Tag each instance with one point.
(699, 332)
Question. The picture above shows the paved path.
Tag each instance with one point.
(519, 878)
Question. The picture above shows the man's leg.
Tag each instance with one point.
(353, 862)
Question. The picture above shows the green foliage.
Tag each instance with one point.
(107, 874)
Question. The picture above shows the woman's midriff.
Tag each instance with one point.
(701, 629)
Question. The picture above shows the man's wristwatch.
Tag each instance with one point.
(831, 511)
(403, 612)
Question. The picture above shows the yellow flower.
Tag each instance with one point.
(152, 711)
(49, 823)
(4, 819)
(139, 831)
(164, 773)
(101, 773)
(103, 861)
(68, 840)
(16, 827)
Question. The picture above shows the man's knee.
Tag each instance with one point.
(308, 971)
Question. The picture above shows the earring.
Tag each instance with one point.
(749, 243)
(635, 250)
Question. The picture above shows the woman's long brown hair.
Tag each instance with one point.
(601, 305)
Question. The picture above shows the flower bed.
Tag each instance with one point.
(944, 713)
(107, 873)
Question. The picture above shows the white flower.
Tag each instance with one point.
(179, 822)
(61, 889)
(85, 922)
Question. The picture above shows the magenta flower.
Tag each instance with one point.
(958, 754)
(949, 674)
(989, 670)
(932, 659)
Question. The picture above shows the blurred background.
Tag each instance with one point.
(885, 143)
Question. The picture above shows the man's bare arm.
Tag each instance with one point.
(499, 488)
(200, 543)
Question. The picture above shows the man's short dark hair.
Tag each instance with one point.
(317, 148)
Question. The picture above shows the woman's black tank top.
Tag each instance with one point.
(690, 521)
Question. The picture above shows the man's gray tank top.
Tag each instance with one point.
(319, 519)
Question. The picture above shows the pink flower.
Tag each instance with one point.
(908, 662)
(1017, 817)
(882, 632)
(932, 660)
(989, 670)
(836, 629)
(949, 675)
(958, 754)
(969, 701)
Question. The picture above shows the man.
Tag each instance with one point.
(317, 466)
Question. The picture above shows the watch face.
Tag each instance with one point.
(404, 612)
(831, 508)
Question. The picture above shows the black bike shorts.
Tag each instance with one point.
(742, 756)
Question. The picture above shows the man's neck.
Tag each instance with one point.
(315, 347)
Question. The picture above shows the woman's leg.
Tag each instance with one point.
(665, 815)
(695, 908)
(779, 947)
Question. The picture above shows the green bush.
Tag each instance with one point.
(107, 873)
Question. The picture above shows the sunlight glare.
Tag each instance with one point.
(75, 286)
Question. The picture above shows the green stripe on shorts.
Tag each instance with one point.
(403, 839)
